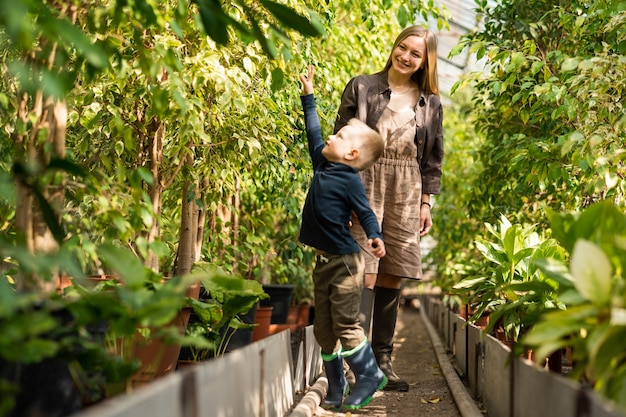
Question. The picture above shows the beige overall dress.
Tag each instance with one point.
(394, 189)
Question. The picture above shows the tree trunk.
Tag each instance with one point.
(201, 219)
(54, 117)
(235, 221)
(155, 191)
(186, 241)
(50, 115)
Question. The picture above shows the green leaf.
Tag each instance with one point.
(278, 78)
(126, 264)
(469, 282)
(68, 166)
(8, 300)
(570, 64)
(214, 20)
(403, 15)
(50, 216)
(73, 35)
(557, 271)
(524, 115)
(606, 348)
(288, 17)
(573, 138)
(592, 272)
(269, 48)
(560, 324)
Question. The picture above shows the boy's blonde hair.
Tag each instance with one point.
(371, 144)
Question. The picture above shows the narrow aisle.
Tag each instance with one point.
(416, 362)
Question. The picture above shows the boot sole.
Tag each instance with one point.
(397, 386)
(336, 406)
(381, 386)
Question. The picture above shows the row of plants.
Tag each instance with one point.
(552, 294)
(97, 337)
(530, 223)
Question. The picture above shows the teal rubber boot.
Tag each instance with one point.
(369, 377)
(337, 384)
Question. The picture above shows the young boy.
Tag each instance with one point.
(335, 193)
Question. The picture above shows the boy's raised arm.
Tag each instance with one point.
(307, 81)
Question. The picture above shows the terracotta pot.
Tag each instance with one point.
(465, 311)
(292, 316)
(158, 358)
(299, 316)
(304, 313)
(263, 319)
(482, 321)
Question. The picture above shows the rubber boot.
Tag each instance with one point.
(337, 384)
(365, 319)
(369, 377)
(385, 314)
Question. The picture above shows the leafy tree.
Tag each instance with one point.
(545, 126)
(550, 106)
(59, 55)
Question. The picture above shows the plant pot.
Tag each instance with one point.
(292, 317)
(482, 321)
(242, 337)
(280, 299)
(263, 319)
(158, 358)
(299, 316)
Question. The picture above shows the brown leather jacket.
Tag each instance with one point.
(366, 96)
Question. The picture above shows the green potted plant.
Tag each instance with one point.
(511, 289)
(147, 313)
(54, 358)
(225, 315)
(591, 285)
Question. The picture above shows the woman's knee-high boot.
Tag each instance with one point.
(337, 384)
(369, 377)
(386, 304)
(365, 312)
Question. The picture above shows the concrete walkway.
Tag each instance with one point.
(419, 357)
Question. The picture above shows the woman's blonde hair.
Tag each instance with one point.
(426, 77)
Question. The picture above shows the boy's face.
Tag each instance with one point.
(342, 147)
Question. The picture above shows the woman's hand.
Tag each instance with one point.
(426, 221)
(377, 246)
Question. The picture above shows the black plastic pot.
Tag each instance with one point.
(280, 299)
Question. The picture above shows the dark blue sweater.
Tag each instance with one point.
(336, 191)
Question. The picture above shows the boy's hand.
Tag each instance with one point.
(377, 246)
(307, 81)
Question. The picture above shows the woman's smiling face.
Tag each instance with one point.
(409, 55)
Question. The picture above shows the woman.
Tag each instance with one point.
(402, 103)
